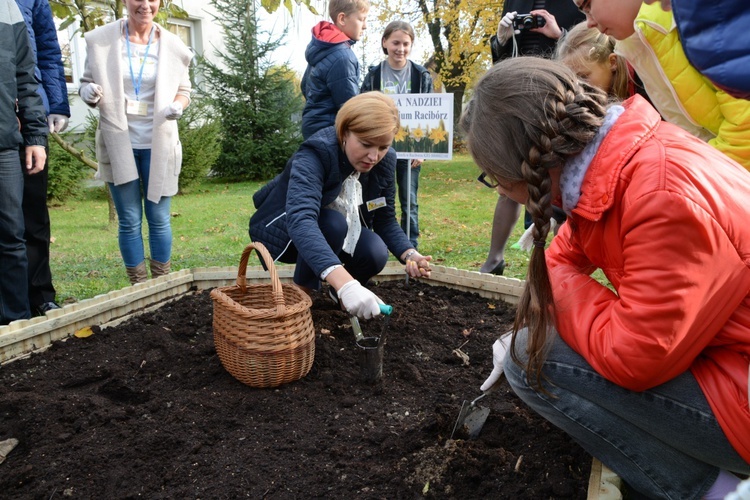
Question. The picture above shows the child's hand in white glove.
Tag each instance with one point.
(499, 349)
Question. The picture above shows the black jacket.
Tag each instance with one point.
(421, 79)
(566, 14)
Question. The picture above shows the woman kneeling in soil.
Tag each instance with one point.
(651, 378)
(332, 210)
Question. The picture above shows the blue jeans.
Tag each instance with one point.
(370, 254)
(130, 201)
(14, 292)
(664, 442)
(408, 188)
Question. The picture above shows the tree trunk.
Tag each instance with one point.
(80, 155)
(458, 101)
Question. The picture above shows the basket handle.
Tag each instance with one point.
(276, 290)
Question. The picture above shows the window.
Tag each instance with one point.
(73, 48)
(183, 29)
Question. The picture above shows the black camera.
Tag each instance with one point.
(528, 22)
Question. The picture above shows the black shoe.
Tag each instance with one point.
(499, 268)
(46, 307)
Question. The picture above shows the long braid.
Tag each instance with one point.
(572, 117)
(527, 116)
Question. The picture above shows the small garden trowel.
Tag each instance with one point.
(358, 335)
(472, 417)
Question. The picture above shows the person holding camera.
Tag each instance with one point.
(527, 28)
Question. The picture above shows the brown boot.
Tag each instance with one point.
(160, 268)
(137, 274)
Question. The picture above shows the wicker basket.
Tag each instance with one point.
(263, 333)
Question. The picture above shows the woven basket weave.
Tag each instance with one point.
(263, 333)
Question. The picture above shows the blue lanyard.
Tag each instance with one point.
(137, 86)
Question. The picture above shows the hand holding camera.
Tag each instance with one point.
(524, 22)
(505, 29)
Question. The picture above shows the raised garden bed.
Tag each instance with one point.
(144, 408)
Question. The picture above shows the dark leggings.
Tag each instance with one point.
(370, 254)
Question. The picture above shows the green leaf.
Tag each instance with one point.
(270, 6)
(67, 22)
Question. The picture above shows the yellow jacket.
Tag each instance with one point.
(682, 94)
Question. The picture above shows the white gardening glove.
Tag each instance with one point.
(358, 300)
(174, 111)
(57, 123)
(91, 93)
(505, 28)
(499, 349)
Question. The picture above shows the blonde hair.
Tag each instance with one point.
(583, 44)
(394, 26)
(527, 116)
(346, 7)
(370, 116)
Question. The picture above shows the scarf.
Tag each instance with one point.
(347, 203)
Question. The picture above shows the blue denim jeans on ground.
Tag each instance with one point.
(14, 298)
(370, 254)
(408, 187)
(130, 203)
(664, 442)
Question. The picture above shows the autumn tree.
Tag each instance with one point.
(459, 31)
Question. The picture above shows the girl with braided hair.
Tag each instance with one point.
(649, 374)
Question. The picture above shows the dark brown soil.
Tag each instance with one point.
(146, 410)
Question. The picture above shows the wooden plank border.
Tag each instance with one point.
(21, 338)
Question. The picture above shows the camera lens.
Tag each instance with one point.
(528, 22)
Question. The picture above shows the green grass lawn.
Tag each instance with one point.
(209, 226)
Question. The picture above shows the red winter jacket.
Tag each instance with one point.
(667, 218)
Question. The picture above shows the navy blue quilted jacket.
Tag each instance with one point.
(287, 208)
(716, 41)
(50, 70)
(331, 78)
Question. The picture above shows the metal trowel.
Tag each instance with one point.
(472, 417)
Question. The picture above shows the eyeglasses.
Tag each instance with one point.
(491, 183)
(585, 6)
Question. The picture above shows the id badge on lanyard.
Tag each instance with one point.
(137, 107)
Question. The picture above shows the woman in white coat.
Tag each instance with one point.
(136, 73)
